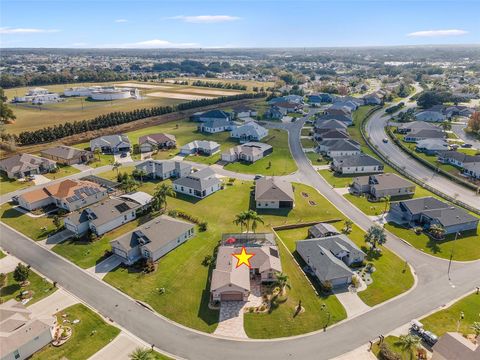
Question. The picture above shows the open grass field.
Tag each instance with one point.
(38, 286)
(31, 117)
(90, 335)
(465, 248)
(250, 84)
(448, 319)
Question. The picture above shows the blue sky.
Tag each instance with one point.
(227, 23)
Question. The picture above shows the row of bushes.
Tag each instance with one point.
(202, 225)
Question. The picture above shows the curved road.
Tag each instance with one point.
(432, 291)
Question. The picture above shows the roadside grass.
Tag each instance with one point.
(337, 181)
(316, 159)
(90, 335)
(307, 143)
(465, 248)
(306, 131)
(63, 170)
(2, 255)
(40, 287)
(392, 342)
(9, 185)
(447, 320)
(37, 228)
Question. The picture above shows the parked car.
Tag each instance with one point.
(466, 145)
(385, 140)
(123, 155)
(429, 337)
(257, 176)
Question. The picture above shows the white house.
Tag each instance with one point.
(202, 147)
(356, 164)
(199, 184)
(249, 132)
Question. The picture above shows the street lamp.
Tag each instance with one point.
(451, 254)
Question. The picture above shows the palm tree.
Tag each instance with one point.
(240, 220)
(476, 328)
(116, 166)
(255, 219)
(128, 184)
(375, 236)
(409, 343)
(140, 354)
(160, 196)
(387, 204)
(97, 153)
(282, 281)
(348, 226)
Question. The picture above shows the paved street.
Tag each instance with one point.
(470, 139)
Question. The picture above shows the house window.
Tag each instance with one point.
(125, 217)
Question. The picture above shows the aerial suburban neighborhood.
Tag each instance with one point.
(240, 180)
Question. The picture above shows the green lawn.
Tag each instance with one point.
(448, 319)
(35, 228)
(9, 185)
(90, 335)
(392, 342)
(306, 132)
(336, 181)
(99, 160)
(38, 285)
(279, 162)
(316, 159)
(2, 255)
(466, 247)
(63, 170)
(308, 143)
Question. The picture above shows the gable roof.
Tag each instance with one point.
(273, 189)
(250, 129)
(219, 114)
(199, 180)
(23, 163)
(110, 140)
(158, 138)
(64, 152)
(389, 181)
(356, 160)
(330, 124)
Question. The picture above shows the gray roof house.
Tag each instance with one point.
(430, 115)
(111, 144)
(152, 240)
(102, 217)
(356, 164)
(148, 143)
(273, 193)
(274, 112)
(332, 134)
(339, 117)
(456, 158)
(211, 115)
(454, 346)
(21, 165)
(421, 134)
(472, 170)
(164, 169)
(213, 126)
(322, 230)
(250, 131)
(202, 147)
(380, 185)
(330, 257)
(416, 125)
(199, 184)
(330, 125)
(248, 152)
(67, 155)
(427, 211)
(339, 147)
(432, 146)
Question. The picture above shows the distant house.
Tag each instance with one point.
(329, 258)
(243, 112)
(327, 125)
(422, 134)
(314, 99)
(472, 170)
(432, 146)
(232, 283)
(151, 142)
(152, 240)
(213, 126)
(23, 333)
(274, 112)
(327, 98)
(346, 119)
(332, 134)
(273, 193)
(427, 211)
(339, 147)
(21, 165)
(67, 155)
(68, 195)
(338, 111)
(287, 107)
(356, 164)
(102, 217)
(248, 152)
(249, 132)
(294, 99)
(350, 105)
(164, 169)
(454, 346)
(458, 110)
(430, 115)
(111, 144)
(382, 185)
(201, 147)
(373, 99)
(199, 184)
(322, 230)
(211, 115)
(416, 126)
(457, 159)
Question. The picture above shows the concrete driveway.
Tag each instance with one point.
(105, 266)
(57, 238)
(52, 304)
(118, 349)
(122, 160)
(40, 179)
(8, 264)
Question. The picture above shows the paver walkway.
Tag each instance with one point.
(104, 267)
(360, 353)
(52, 304)
(118, 349)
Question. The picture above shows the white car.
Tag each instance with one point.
(385, 140)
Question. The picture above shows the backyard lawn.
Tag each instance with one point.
(38, 285)
(448, 319)
(466, 247)
(90, 335)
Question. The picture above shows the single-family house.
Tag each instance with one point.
(152, 240)
(348, 104)
(68, 195)
(339, 147)
(232, 283)
(294, 99)
(422, 134)
(338, 111)
(415, 126)
(457, 159)
(329, 258)
(458, 110)
(102, 217)
(111, 144)
(373, 99)
(164, 169)
(427, 211)
(248, 152)
(273, 193)
(381, 185)
(287, 107)
(432, 146)
(325, 125)
(356, 164)
(321, 230)
(67, 155)
(274, 112)
(249, 132)
(213, 126)
(23, 333)
(151, 142)
(472, 170)
(21, 165)
(333, 134)
(201, 147)
(199, 184)
(346, 119)
(454, 346)
(141, 198)
(211, 115)
(244, 112)
(431, 115)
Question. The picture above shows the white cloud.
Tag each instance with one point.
(155, 43)
(121, 20)
(438, 33)
(7, 30)
(205, 19)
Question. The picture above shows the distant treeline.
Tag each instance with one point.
(219, 85)
(59, 131)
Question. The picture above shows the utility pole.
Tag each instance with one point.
(451, 255)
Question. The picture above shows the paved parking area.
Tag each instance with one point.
(121, 160)
(351, 302)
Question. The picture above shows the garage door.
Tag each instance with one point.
(231, 297)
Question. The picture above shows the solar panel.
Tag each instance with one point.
(122, 207)
(274, 252)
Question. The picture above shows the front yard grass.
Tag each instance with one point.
(466, 247)
(90, 335)
(63, 170)
(392, 342)
(307, 143)
(9, 185)
(37, 228)
(39, 286)
(448, 319)
(316, 159)
(341, 181)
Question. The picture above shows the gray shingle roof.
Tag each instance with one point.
(199, 180)
(64, 152)
(273, 189)
(356, 160)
